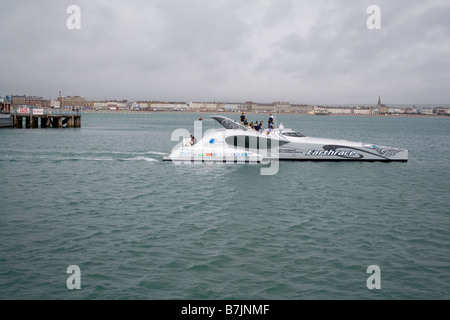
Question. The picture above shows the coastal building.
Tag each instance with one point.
(231, 107)
(267, 107)
(427, 111)
(5, 105)
(46, 103)
(89, 104)
(195, 106)
(396, 111)
(339, 110)
(202, 106)
(210, 106)
(71, 101)
(382, 108)
(141, 105)
(282, 107)
(363, 111)
(319, 111)
(134, 106)
(220, 107)
(259, 107)
(110, 105)
(439, 111)
(17, 100)
(161, 106)
(360, 111)
(168, 106)
(300, 108)
(33, 101)
(30, 101)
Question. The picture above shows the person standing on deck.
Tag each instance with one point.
(242, 118)
(270, 118)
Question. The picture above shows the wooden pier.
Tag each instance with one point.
(45, 118)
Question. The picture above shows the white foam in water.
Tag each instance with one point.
(140, 158)
(97, 159)
(156, 152)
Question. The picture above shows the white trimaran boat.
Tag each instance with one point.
(237, 143)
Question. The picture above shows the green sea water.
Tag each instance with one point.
(100, 197)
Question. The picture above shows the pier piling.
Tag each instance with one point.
(43, 118)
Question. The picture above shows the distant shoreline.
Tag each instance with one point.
(266, 113)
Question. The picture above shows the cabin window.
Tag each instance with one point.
(249, 142)
(292, 134)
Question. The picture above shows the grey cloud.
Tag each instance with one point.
(298, 51)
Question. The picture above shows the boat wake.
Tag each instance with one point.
(156, 152)
(139, 158)
(82, 156)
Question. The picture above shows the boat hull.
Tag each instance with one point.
(6, 121)
(336, 150)
(236, 143)
(232, 146)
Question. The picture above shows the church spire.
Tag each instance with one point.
(379, 101)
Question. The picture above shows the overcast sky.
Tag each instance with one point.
(315, 52)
